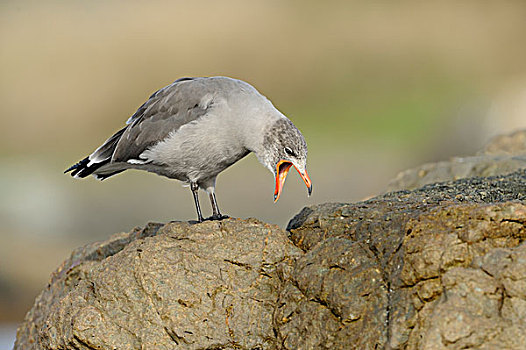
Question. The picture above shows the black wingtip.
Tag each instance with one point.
(76, 168)
(83, 169)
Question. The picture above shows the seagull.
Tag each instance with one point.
(193, 129)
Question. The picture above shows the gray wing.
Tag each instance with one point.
(165, 111)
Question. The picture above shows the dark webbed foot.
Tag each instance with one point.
(217, 217)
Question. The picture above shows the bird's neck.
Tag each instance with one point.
(252, 122)
(257, 140)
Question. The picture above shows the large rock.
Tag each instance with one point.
(427, 269)
(207, 286)
(441, 267)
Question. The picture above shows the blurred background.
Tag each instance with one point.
(375, 87)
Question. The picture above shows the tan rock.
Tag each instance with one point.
(441, 267)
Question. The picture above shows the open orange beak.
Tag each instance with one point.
(282, 169)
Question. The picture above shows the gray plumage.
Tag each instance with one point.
(195, 128)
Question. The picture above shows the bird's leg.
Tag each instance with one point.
(195, 190)
(215, 207)
(216, 215)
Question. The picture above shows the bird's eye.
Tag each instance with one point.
(290, 152)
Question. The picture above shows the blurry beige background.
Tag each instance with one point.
(375, 87)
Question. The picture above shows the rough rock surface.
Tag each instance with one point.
(206, 286)
(424, 269)
(502, 155)
(441, 267)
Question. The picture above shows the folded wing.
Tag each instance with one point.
(163, 113)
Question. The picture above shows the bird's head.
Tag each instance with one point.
(284, 147)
